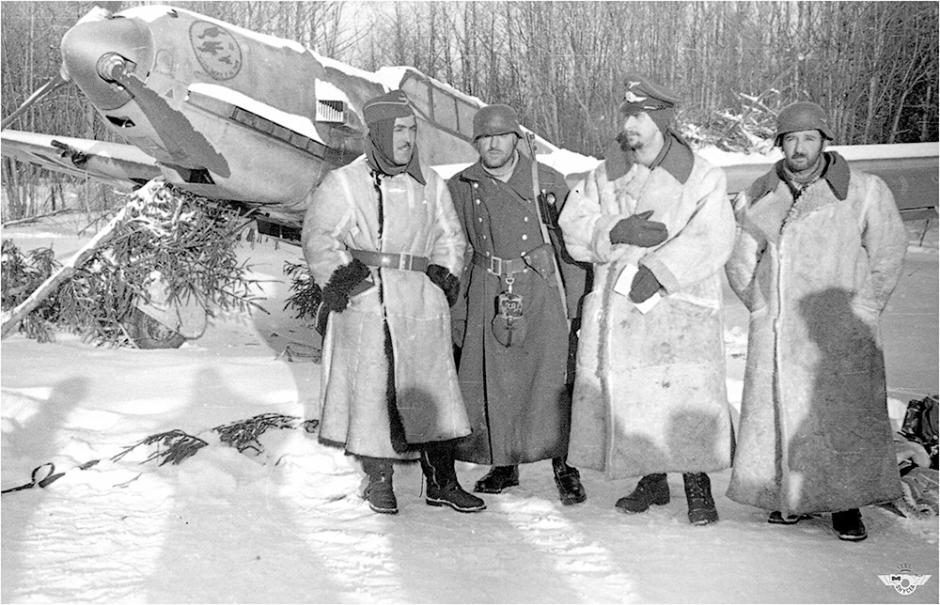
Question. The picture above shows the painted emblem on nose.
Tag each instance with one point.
(216, 50)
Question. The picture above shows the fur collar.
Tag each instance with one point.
(677, 159)
(836, 174)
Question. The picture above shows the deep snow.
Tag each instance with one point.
(287, 525)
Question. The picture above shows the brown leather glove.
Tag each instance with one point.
(636, 230)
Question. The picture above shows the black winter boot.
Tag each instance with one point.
(568, 481)
(652, 489)
(777, 518)
(498, 479)
(379, 491)
(698, 493)
(848, 525)
(437, 463)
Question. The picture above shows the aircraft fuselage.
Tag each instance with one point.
(228, 113)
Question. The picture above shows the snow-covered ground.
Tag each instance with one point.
(287, 526)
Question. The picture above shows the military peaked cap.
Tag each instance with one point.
(644, 95)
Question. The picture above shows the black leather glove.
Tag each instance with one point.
(341, 283)
(446, 281)
(636, 230)
(644, 285)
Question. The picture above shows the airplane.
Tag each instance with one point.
(257, 121)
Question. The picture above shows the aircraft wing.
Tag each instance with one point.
(120, 165)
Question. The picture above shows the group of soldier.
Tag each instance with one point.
(501, 318)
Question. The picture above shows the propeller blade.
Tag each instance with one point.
(50, 86)
(179, 136)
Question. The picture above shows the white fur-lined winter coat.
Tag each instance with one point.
(649, 392)
(343, 214)
(814, 434)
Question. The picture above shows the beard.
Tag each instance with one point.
(630, 140)
(496, 160)
(802, 162)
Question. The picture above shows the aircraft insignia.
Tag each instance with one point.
(216, 50)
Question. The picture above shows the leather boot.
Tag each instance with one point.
(698, 493)
(848, 525)
(379, 492)
(777, 518)
(652, 489)
(437, 463)
(568, 482)
(498, 479)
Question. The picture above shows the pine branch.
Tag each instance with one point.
(244, 434)
(182, 243)
(172, 447)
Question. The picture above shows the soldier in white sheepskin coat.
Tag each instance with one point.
(385, 244)
(815, 261)
(649, 394)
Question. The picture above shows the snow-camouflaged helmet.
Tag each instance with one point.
(802, 116)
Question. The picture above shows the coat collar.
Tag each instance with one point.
(520, 181)
(676, 159)
(836, 174)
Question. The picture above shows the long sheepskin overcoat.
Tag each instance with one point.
(649, 392)
(517, 396)
(814, 434)
(344, 212)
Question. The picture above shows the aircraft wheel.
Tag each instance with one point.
(149, 333)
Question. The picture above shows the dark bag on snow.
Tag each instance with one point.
(920, 425)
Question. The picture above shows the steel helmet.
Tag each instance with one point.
(494, 120)
(802, 116)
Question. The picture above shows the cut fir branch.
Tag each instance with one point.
(165, 236)
(171, 447)
(244, 434)
(305, 293)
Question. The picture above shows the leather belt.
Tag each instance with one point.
(500, 266)
(405, 262)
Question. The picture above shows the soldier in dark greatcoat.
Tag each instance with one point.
(512, 324)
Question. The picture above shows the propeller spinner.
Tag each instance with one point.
(109, 57)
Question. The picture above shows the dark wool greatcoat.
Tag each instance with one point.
(516, 396)
(345, 213)
(649, 392)
(814, 434)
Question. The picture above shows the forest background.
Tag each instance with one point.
(562, 65)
